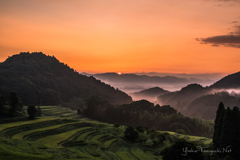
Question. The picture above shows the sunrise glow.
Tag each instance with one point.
(138, 36)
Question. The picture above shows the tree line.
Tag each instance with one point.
(144, 113)
(227, 132)
(13, 106)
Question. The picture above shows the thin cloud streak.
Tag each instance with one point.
(231, 40)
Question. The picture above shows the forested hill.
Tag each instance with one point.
(149, 94)
(155, 91)
(230, 81)
(41, 79)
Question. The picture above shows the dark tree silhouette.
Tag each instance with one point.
(31, 111)
(13, 102)
(131, 134)
(227, 132)
(228, 129)
(236, 139)
(140, 129)
(2, 102)
(218, 126)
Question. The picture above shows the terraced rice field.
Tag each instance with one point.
(202, 140)
(62, 134)
(140, 154)
(125, 155)
(54, 140)
(94, 139)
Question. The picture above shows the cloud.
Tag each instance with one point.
(230, 40)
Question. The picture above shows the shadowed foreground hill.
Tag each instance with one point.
(41, 79)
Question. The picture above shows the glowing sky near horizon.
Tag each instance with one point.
(200, 36)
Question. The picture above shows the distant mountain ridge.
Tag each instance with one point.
(195, 100)
(149, 93)
(180, 99)
(41, 79)
(123, 78)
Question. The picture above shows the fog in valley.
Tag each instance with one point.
(131, 87)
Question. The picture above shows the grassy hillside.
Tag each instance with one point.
(67, 135)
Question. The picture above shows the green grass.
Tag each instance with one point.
(108, 143)
(10, 125)
(54, 140)
(169, 132)
(140, 154)
(94, 140)
(6, 154)
(48, 107)
(83, 156)
(83, 136)
(35, 141)
(68, 114)
(181, 136)
(207, 142)
(17, 149)
(23, 134)
(153, 156)
(94, 151)
(124, 155)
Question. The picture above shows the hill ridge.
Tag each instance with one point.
(38, 77)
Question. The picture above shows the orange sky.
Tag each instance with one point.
(127, 35)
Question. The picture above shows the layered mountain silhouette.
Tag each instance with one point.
(133, 78)
(228, 82)
(180, 99)
(197, 101)
(149, 93)
(205, 106)
(130, 83)
(43, 80)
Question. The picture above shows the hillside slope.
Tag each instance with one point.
(206, 106)
(41, 79)
(181, 99)
(230, 81)
(71, 136)
(149, 94)
(202, 102)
